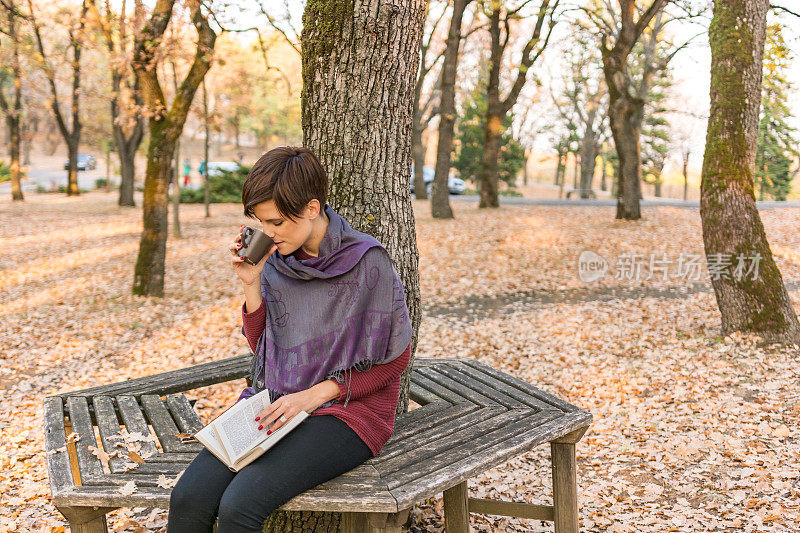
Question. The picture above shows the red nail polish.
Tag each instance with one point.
(262, 427)
(268, 432)
(258, 418)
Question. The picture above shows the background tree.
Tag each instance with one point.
(424, 113)
(471, 136)
(500, 14)
(12, 107)
(72, 137)
(440, 197)
(165, 126)
(732, 228)
(777, 144)
(582, 101)
(127, 122)
(620, 30)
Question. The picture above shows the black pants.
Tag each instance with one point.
(319, 449)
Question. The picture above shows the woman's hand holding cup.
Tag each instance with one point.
(249, 274)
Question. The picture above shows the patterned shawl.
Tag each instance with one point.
(329, 314)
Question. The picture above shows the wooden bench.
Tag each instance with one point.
(471, 418)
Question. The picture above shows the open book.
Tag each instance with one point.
(234, 436)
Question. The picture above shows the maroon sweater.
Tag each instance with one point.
(374, 393)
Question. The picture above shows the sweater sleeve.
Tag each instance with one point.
(254, 323)
(365, 382)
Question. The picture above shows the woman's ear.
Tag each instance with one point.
(313, 208)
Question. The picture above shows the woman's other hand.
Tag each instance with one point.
(249, 274)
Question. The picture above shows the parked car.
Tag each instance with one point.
(85, 162)
(454, 185)
(215, 167)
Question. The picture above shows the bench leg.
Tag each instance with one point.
(373, 522)
(86, 519)
(456, 509)
(565, 487)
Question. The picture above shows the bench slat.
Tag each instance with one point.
(522, 385)
(165, 426)
(435, 428)
(421, 395)
(435, 374)
(472, 427)
(471, 384)
(442, 393)
(109, 428)
(490, 382)
(174, 381)
(420, 412)
(90, 466)
(430, 459)
(58, 470)
(311, 500)
(187, 418)
(135, 421)
(408, 428)
(478, 461)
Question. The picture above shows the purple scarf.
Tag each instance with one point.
(329, 314)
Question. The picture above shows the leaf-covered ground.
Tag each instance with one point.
(691, 432)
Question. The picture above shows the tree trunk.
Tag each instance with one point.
(576, 170)
(525, 169)
(686, 175)
(756, 302)
(14, 111)
(127, 175)
(440, 203)
(72, 165)
(14, 153)
(206, 140)
(588, 161)
(603, 171)
(489, 161)
(176, 194)
(626, 107)
(364, 142)
(561, 166)
(165, 129)
(418, 153)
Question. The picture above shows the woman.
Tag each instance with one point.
(326, 317)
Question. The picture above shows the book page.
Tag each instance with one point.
(237, 429)
(208, 438)
(273, 439)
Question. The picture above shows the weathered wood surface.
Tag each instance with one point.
(471, 418)
(174, 381)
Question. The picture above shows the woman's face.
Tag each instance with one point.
(288, 235)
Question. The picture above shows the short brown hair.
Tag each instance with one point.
(291, 176)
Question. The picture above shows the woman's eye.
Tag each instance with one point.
(278, 223)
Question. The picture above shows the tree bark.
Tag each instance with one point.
(165, 128)
(350, 50)
(732, 227)
(440, 202)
